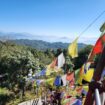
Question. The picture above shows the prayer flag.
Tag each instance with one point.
(73, 49)
(61, 60)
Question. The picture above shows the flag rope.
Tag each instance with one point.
(91, 23)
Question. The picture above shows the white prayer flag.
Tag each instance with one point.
(61, 60)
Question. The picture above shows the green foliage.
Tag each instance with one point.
(5, 96)
(83, 56)
(29, 85)
(17, 60)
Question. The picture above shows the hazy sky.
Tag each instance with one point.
(55, 18)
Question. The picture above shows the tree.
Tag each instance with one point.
(82, 57)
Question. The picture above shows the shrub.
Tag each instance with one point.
(5, 96)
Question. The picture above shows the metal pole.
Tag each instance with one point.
(97, 97)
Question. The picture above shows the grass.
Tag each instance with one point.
(4, 91)
(28, 96)
(5, 95)
(16, 99)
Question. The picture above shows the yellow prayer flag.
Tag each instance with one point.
(48, 70)
(80, 75)
(89, 75)
(86, 74)
(73, 49)
(86, 88)
(50, 81)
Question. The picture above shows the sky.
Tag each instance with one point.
(55, 20)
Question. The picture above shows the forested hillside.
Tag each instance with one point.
(17, 60)
(42, 45)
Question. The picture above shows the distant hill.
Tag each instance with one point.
(43, 45)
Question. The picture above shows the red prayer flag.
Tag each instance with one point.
(70, 78)
(54, 63)
(79, 89)
(72, 101)
(98, 47)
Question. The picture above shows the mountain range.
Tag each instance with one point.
(40, 42)
(43, 45)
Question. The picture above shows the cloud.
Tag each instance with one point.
(48, 38)
(88, 39)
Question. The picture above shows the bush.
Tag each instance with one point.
(29, 86)
(5, 96)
